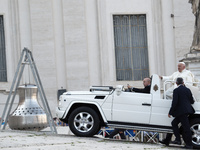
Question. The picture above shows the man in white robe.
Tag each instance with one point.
(187, 76)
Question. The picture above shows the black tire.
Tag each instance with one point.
(84, 121)
(195, 127)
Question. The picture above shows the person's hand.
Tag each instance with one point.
(169, 116)
(129, 86)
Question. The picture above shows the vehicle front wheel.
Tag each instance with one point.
(195, 128)
(84, 121)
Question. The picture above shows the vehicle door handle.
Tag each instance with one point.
(146, 104)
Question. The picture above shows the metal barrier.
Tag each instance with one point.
(164, 86)
(133, 135)
(195, 84)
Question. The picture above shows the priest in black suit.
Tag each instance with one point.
(180, 109)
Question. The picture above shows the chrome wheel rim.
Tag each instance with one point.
(83, 122)
(195, 134)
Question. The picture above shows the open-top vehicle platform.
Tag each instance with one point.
(104, 106)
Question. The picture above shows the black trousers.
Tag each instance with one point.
(116, 131)
(187, 134)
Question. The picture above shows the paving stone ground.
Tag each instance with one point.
(64, 140)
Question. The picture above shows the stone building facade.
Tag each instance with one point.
(76, 43)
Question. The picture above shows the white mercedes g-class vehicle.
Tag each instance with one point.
(104, 106)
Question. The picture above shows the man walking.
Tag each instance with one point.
(180, 109)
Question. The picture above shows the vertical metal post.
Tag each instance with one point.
(142, 136)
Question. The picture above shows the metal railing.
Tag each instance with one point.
(173, 82)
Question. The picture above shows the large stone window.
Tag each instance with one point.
(3, 71)
(131, 51)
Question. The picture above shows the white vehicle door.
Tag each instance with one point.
(160, 110)
(131, 107)
(160, 107)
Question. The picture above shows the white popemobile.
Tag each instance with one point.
(87, 111)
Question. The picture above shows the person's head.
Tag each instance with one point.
(146, 81)
(179, 81)
(181, 66)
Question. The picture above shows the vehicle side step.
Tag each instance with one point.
(141, 128)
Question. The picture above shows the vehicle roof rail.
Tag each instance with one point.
(101, 88)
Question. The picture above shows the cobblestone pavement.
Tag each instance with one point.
(64, 140)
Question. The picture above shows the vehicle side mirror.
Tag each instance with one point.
(119, 89)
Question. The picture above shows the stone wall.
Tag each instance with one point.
(73, 43)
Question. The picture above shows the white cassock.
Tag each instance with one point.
(188, 79)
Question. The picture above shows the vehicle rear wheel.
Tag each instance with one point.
(84, 121)
(195, 128)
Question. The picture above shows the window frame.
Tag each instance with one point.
(114, 48)
(5, 56)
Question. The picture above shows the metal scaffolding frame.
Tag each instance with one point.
(28, 59)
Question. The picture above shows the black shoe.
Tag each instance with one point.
(176, 142)
(188, 147)
(164, 142)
